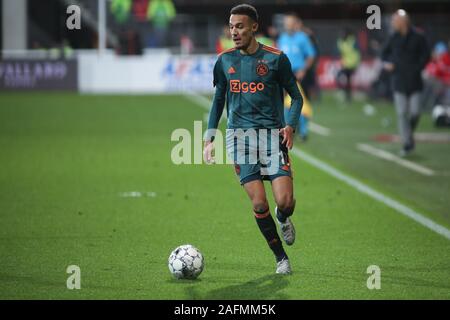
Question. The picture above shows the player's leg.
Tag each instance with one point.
(401, 106)
(257, 194)
(348, 84)
(283, 192)
(414, 113)
(303, 124)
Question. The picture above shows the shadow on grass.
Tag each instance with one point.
(406, 276)
(184, 281)
(266, 287)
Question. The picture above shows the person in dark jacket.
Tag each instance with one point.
(405, 56)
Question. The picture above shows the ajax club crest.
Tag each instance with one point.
(262, 69)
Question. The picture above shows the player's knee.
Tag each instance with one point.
(286, 205)
(401, 112)
(260, 207)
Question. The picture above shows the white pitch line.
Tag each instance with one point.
(203, 102)
(391, 157)
(316, 128)
(200, 100)
(361, 187)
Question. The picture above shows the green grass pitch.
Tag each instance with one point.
(66, 159)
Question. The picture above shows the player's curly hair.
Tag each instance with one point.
(245, 9)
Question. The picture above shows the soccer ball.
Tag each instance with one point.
(186, 262)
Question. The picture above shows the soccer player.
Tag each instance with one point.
(251, 77)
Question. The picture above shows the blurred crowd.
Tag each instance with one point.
(141, 24)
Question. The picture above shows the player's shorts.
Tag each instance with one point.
(260, 162)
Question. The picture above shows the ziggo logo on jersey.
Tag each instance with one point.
(252, 87)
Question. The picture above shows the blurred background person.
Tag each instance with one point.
(186, 45)
(160, 13)
(437, 77)
(130, 42)
(406, 55)
(350, 59)
(273, 33)
(120, 10)
(224, 42)
(309, 83)
(264, 38)
(298, 47)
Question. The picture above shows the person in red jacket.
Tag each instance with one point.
(437, 76)
(439, 66)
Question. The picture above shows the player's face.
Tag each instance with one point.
(395, 22)
(290, 23)
(242, 30)
(398, 22)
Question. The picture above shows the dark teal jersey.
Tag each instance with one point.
(252, 87)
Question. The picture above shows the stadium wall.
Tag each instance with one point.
(159, 72)
(149, 73)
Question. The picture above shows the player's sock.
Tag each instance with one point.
(282, 215)
(268, 228)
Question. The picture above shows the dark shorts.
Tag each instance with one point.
(257, 170)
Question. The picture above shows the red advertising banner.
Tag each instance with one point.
(328, 69)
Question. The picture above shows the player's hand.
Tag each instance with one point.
(288, 136)
(389, 66)
(208, 152)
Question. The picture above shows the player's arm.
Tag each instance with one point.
(424, 54)
(289, 83)
(386, 52)
(220, 82)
